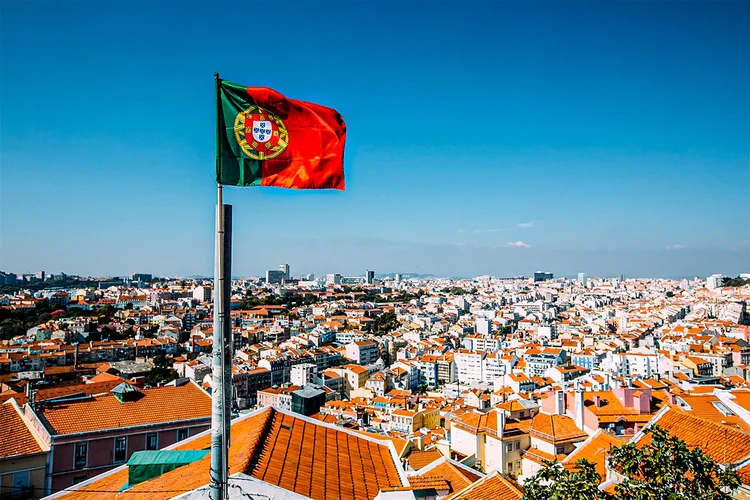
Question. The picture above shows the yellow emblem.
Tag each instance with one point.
(260, 133)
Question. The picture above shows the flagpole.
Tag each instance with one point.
(222, 359)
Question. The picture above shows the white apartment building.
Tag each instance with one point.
(363, 352)
(302, 374)
(202, 293)
(469, 366)
(481, 343)
(714, 281)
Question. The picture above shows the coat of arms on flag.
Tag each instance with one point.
(261, 134)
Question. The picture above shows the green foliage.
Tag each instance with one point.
(667, 468)
(288, 300)
(734, 282)
(663, 469)
(553, 482)
(162, 371)
(385, 323)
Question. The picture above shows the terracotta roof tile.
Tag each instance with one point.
(159, 404)
(456, 476)
(297, 454)
(556, 428)
(594, 450)
(15, 437)
(493, 487)
(419, 459)
(722, 443)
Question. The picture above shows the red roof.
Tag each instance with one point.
(15, 437)
(160, 404)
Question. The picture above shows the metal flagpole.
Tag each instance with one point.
(222, 359)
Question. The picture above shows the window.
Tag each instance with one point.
(79, 479)
(81, 455)
(152, 441)
(509, 466)
(21, 481)
(517, 445)
(560, 450)
(182, 434)
(121, 449)
(518, 464)
(508, 447)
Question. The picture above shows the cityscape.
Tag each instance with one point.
(375, 250)
(455, 385)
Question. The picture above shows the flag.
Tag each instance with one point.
(265, 139)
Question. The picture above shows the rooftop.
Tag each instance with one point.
(157, 405)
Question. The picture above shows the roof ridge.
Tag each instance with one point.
(253, 457)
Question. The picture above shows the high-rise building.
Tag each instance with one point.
(202, 293)
(141, 277)
(582, 278)
(398, 278)
(40, 275)
(370, 277)
(274, 277)
(333, 279)
(714, 281)
(284, 268)
(542, 276)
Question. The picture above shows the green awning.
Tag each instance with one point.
(145, 465)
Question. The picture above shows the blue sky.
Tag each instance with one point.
(483, 137)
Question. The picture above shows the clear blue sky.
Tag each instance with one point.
(600, 137)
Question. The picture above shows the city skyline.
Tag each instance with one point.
(591, 150)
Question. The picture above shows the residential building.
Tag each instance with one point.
(89, 436)
(24, 455)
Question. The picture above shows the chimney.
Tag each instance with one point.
(579, 406)
(597, 401)
(500, 422)
(671, 398)
(560, 402)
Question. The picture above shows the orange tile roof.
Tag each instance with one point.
(159, 404)
(493, 487)
(85, 389)
(722, 443)
(556, 428)
(419, 459)
(298, 454)
(15, 437)
(594, 449)
(703, 406)
(456, 476)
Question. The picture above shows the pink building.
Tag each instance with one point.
(91, 434)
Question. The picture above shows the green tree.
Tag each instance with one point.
(385, 323)
(665, 468)
(554, 482)
(162, 371)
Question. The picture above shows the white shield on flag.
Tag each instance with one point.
(262, 130)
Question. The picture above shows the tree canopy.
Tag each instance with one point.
(665, 468)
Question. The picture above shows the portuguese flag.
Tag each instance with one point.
(265, 139)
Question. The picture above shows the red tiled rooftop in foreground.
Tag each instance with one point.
(159, 404)
(724, 444)
(15, 437)
(493, 487)
(455, 475)
(595, 449)
(296, 453)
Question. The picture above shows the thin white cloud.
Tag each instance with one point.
(676, 246)
(519, 244)
(495, 230)
(526, 224)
